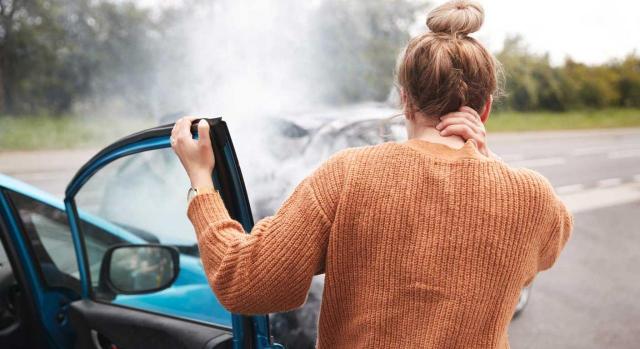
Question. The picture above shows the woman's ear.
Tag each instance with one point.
(484, 116)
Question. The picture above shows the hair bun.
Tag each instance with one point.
(456, 17)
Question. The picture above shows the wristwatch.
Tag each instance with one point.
(193, 192)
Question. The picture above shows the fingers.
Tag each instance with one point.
(466, 116)
(181, 131)
(465, 123)
(183, 128)
(471, 111)
(203, 133)
(173, 138)
(472, 116)
(453, 120)
(461, 130)
(464, 131)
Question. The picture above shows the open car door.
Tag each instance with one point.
(142, 284)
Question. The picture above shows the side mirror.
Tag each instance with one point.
(137, 269)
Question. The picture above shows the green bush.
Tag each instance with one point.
(532, 83)
(44, 131)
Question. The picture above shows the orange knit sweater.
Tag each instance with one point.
(423, 246)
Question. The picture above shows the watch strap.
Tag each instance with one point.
(193, 192)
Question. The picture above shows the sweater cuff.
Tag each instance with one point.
(205, 210)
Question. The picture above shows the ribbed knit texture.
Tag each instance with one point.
(423, 246)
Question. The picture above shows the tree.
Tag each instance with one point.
(357, 43)
(629, 82)
(55, 52)
(531, 81)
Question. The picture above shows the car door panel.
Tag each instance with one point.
(247, 331)
(127, 328)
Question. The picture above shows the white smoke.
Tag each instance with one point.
(251, 62)
(238, 59)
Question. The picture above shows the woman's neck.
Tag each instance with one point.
(425, 130)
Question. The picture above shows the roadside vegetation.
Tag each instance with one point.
(63, 58)
(571, 120)
(42, 132)
(61, 132)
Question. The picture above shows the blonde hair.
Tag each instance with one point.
(444, 68)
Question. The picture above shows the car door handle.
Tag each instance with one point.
(95, 338)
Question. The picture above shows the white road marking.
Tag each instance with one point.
(542, 162)
(622, 154)
(609, 182)
(567, 189)
(602, 149)
(589, 151)
(601, 197)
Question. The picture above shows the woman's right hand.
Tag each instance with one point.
(466, 123)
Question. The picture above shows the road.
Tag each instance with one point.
(49, 170)
(588, 300)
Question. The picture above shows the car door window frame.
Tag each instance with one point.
(254, 328)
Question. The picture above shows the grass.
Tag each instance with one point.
(582, 119)
(46, 132)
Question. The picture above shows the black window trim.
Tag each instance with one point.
(18, 271)
(7, 193)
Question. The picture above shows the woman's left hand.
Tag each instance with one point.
(195, 155)
(466, 123)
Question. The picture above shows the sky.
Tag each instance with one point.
(586, 30)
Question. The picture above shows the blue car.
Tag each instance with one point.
(116, 264)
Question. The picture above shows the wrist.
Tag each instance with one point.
(201, 180)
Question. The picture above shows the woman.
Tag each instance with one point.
(425, 243)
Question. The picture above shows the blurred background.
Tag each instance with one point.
(298, 80)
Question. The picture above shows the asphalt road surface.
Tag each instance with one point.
(590, 298)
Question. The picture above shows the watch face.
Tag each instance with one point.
(192, 192)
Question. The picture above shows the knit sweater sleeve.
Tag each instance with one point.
(559, 224)
(270, 269)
